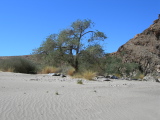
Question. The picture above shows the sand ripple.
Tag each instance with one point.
(33, 97)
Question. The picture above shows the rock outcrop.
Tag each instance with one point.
(144, 49)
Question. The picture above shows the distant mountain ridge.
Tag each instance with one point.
(144, 48)
(29, 57)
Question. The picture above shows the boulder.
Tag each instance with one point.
(158, 79)
(108, 76)
(114, 77)
(149, 78)
(101, 78)
(54, 74)
(158, 68)
(62, 75)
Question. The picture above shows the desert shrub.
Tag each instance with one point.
(49, 69)
(130, 67)
(19, 65)
(114, 65)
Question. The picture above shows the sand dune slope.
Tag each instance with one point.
(33, 97)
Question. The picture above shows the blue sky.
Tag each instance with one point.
(24, 24)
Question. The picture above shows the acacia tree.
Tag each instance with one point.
(69, 43)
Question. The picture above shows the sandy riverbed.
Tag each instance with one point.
(33, 97)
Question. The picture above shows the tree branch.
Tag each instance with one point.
(88, 32)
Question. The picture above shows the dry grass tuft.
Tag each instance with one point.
(118, 75)
(141, 76)
(71, 71)
(7, 70)
(10, 70)
(77, 75)
(89, 75)
(49, 69)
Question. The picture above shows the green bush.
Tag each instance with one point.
(114, 65)
(19, 65)
(130, 67)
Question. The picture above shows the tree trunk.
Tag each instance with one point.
(76, 64)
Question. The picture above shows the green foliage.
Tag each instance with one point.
(79, 82)
(46, 54)
(130, 67)
(92, 59)
(67, 46)
(19, 65)
(114, 65)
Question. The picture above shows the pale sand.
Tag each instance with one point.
(32, 97)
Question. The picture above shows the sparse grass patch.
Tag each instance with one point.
(89, 75)
(139, 76)
(77, 75)
(49, 69)
(118, 75)
(71, 71)
(79, 82)
(10, 70)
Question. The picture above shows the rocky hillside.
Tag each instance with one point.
(144, 49)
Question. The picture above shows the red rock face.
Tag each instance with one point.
(144, 48)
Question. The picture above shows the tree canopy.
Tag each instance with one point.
(71, 43)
